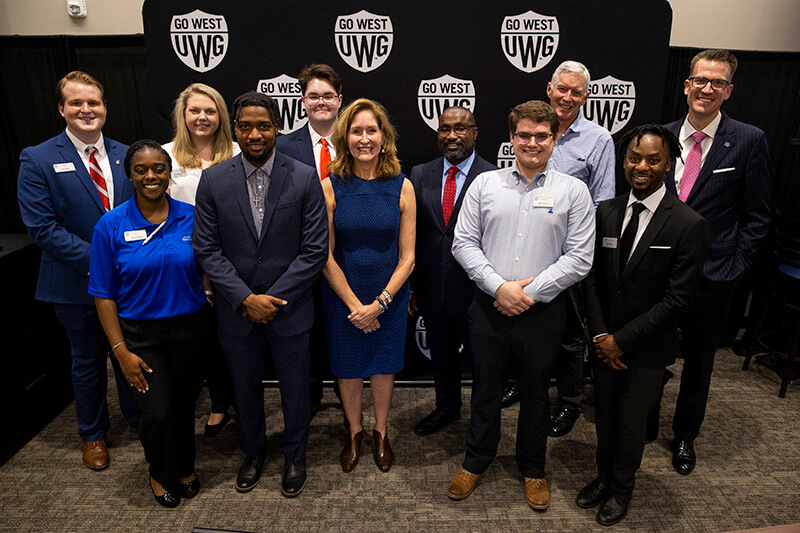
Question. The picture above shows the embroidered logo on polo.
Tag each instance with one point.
(286, 92)
(421, 336)
(611, 103)
(529, 40)
(199, 39)
(364, 40)
(505, 155)
(434, 96)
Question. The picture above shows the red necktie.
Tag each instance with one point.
(97, 176)
(692, 168)
(324, 159)
(449, 197)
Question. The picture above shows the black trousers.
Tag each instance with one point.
(445, 334)
(215, 369)
(702, 328)
(246, 362)
(170, 347)
(569, 365)
(622, 399)
(530, 341)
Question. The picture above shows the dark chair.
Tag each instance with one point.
(783, 291)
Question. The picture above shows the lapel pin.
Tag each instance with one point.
(727, 144)
(116, 162)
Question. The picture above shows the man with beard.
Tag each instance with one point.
(442, 291)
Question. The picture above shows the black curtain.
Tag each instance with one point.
(30, 67)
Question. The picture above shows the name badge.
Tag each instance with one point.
(609, 242)
(63, 167)
(542, 201)
(135, 235)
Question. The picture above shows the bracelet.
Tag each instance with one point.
(388, 296)
(381, 304)
(120, 343)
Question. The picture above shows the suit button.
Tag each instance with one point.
(618, 293)
(258, 260)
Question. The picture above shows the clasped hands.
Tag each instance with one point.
(609, 351)
(261, 308)
(365, 317)
(511, 300)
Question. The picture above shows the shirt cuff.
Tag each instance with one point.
(492, 283)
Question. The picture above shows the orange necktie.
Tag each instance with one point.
(324, 159)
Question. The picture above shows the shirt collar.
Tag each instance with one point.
(315, 137)
(538, 179)
(81, 146)
(651, 202)
(711, 130)
(249, 167)
(579, 124)
(137, 218)
(463, 167)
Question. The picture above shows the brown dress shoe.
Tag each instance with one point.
(537, 493)
(95, 454)
(351, 452)
(462, 484)
(383, 451)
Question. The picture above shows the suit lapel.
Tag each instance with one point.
(70, 154)
(239, 186)
(615, 219)
(473, 173)
(434, 191)
(657, 221)
(669, 177)
(305, 148)
(277, 182)
(723, 142)
(115, 161)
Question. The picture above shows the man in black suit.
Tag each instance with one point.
(724, 176)
(442, 291)
(647, 266)
(321, 87)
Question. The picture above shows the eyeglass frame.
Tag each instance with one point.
(455, 129)
(327, 98)
(521, 137)
(694, 80)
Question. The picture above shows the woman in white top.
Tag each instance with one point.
(202, 139)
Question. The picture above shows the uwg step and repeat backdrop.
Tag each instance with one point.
(416, 58)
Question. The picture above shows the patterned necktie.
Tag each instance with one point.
(97, 176)
(628, 236)
(692, 167)
(449, 197)
(324, 159)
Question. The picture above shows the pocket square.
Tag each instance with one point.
(661, 247)
(718, 170)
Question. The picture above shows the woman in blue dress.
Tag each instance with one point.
(372, 218)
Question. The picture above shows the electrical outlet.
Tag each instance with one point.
(76, 8)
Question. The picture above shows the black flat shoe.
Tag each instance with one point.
(434, 422)
(215, 429)
(190, 490)
(683, 457)
(168, 499)
(563, 421)
(294, 478)
(593, 494)
(510, 395)
(614, 509)
(250, 472)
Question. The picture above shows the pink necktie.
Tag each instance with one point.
(449, 196)
(692, 167)
(97, 176)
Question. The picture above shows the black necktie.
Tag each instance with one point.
(626, 241)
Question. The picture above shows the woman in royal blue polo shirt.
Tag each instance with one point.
(149, 296)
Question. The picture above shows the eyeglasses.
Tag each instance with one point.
(699, 82)
(246, 127)
(315, 98)
(526, 138)
(459, 129)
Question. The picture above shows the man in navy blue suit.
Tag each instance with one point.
(442, 290)
(261, 236)
(321, 87)
(724, 176)
(65, 185)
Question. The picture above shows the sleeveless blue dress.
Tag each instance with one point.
(367, 224)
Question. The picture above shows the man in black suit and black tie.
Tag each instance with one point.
(647, 267)
(724, 176)
(442, 291)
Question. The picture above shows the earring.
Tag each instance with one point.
(383, 149)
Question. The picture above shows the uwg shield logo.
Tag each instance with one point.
(199, 39)
(286, 92)
(364, 40)
(421, 336)
(529, 40)
(434, 96)
(611, 103)
(505, 155)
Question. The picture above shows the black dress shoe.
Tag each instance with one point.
(215, 429)
(613, 509)
(563, 421)
(434, 422)
(190, 490)
(250, 472)
(294, 478)
(595, 493)
(510, 395)
(683, 457)
(168, 499)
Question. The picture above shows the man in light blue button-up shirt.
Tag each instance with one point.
(525, 234)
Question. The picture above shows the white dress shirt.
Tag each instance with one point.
(102, 160)
(687, 141)
(315, 138)
(651, 204)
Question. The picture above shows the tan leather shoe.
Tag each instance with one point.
(462, 484)
(95, 454)
(537, 493)
(382, 454)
